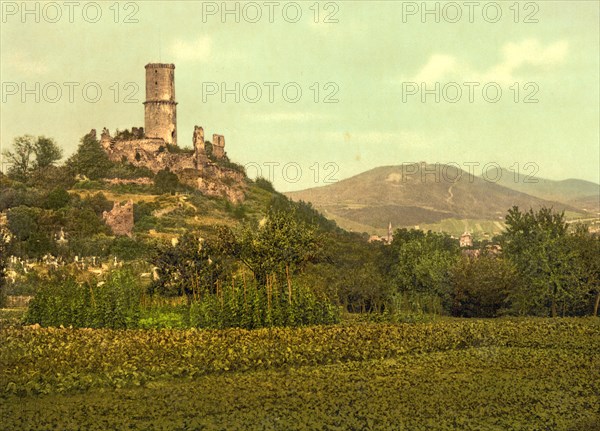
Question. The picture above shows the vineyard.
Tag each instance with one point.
(505, 374)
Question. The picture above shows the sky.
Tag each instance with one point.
(308, 93)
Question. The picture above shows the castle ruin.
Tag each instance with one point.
(160, 107)
(120, 218)
(154, 146)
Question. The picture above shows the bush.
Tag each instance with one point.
(61, 300)
(248, 305)
(166, 181)
(481, 287)
(126, 248)
(264, 184)
(57, 198)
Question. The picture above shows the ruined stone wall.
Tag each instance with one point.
(150, 153)
(160, 107)
(120, 218)
(218, 143)
(199, 147)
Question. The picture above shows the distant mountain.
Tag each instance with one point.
(577, 193)
(410, 195)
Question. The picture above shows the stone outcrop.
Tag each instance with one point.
(120, 218)
(216, 181)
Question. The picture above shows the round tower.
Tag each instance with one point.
(160, 108)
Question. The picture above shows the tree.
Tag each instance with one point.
(47, 152)
(23, 221)
(97, 203)
(587, 247)
(30, 154)
(192, 267)
(166, 181)
(538, 245)
(90, 159)
(279, 244)
(57, 198)
(351, 272)
(21, 157)
(481, 287)
(421, 262)
(84, 222)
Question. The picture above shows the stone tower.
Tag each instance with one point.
(160, 108)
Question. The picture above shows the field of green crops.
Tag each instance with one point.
(522, 374)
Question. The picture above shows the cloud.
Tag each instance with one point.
(515, 55)
(22, 64)
(530, 51)
(199, 49)
(438, 66)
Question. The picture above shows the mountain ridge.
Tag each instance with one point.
(411, 195)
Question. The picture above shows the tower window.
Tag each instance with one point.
(155, 82)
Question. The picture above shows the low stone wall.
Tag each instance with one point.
(14, 301)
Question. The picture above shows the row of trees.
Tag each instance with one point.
(545, 267)
(277, 248)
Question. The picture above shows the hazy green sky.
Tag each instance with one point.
(368, 58)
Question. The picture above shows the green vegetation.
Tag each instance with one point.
(559, 275)
(166, 182)
(32, 154)
(114, 303)
(3, 263)
(502, 374)
(218, 301)
(90, 160)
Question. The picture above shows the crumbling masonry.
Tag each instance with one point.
(155, 145)
(120, 218)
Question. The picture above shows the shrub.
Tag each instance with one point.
(264, 184)
(166, 181)
(114, 303)
(481, 287)
(249, 305)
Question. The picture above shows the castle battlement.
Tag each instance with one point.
(160, 65)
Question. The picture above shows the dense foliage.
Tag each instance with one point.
(90, 160)
(62, 360)
(3, 264)
(544, 267)
(482, 287)
(249, 305)
(114, 303)
(559, 269)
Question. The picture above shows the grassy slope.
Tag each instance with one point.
(176, 214)
(561, 191)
